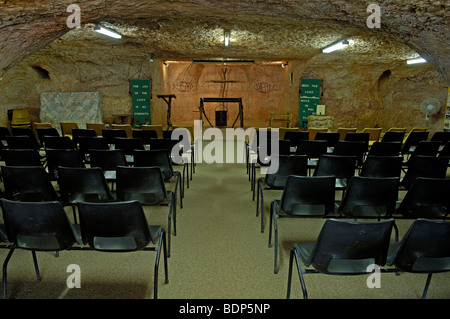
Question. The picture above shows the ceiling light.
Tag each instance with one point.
(336, 46)
(227, 38)
(416, 60)
(283, 65)
(166, 64)
(108, 32)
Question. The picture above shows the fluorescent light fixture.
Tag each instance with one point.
(336, 46)
(108, 32)
(416, 60)
(226, 38)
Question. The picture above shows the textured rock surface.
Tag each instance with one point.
(367, 84)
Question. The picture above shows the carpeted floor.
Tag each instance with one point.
(218, 253)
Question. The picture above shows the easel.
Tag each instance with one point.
(223, 100)
(168, 99)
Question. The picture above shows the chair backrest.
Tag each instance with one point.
(78, 132)
(128, 145)
(288, 165)
(110, 134)
(425, 166)
(311, 148)
(43, 125)
(412, 139)
(22, 141)
(351, 148)
(349, 247)
(340, 166)
(20, 118)
(144, 184)
(382, 166)
(331, 137)
(153, 127)
(385, 149)
(38, 225)
(397, 129)
(28, 183)
(43, 132)
(357, 136)
(58, 142)
(88, 143)
(189, 129)
(425, 248)
(426, 198)
(107, 159)
(163, 144)
(445, 151)
(393, 136)
(294, 136)
(145, 135)
(426, 148)
(4, 131)
(442, 137)
(118, 226)
(308, 195)
(62, 157)
(159, 158)
(370, 197)
(21, 157)
(83, 184)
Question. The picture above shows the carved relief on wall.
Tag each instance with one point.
(264, 87)
(183, 86)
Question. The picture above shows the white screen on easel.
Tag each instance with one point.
(79, 107)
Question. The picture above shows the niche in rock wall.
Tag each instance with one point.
(79, 107)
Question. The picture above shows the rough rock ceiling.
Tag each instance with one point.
(260, 30)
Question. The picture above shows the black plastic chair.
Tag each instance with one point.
(340, 166)
(146, 185)
(78, 132)
(122, 227)
(128, 145)
(145, 135)
(442, 137)
(342, 248)
(385, 149)
(26, 131)
(393, 136)
(358, 137)
(42, 132)
(78, 184)
(295, 136)
(351, 148)
(423, 148)
(62, 157)
(108, 160)
(369, 197)
(21, 157)
(425, 248)
(331, 137)
(426, 198)
(88, 143)
(110, 134)
(303, 196)
(382, 166)
(36, 226)
(58, 142)
(413, 138)
(20, 142)
(28, 184)
(161, 159)
(313, 149)
(288, 165)
(424, 166)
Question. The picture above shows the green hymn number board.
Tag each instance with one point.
(309, 98)
(140, 98)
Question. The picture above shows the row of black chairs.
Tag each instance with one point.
(89, 184)
(356, 248)
(343, 169)
(364, 198)
(105, 227)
